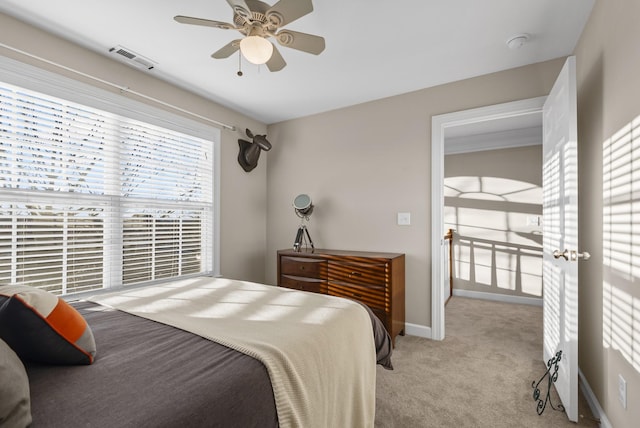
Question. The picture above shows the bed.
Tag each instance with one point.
(215, 352)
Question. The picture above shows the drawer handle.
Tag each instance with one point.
(301, 267)
(354, 274)
(356, 295)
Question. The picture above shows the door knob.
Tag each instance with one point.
(571, 255)
(557, 254)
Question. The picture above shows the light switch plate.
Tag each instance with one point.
(404, 219)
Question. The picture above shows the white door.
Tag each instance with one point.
(560, 234)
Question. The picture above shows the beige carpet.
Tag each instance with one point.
(479, 376)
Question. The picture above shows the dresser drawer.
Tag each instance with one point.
(305, 284)
(303, 266)
(374, 297)
(362, 274)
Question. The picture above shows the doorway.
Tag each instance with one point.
(479, 120)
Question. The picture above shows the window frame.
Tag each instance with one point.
(52, 84)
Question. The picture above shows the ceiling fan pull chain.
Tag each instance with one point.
(239, 63)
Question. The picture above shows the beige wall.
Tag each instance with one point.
(608, 64)
(363, 164)
(243, 196)
(489, 198)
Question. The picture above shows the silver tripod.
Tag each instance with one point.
(300, 239)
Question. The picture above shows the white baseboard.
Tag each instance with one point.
(424, 331)
(417, 330)
(593, 402)
(536, 301)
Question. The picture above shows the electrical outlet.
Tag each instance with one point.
(622, 391)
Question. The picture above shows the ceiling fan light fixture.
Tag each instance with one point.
(256, 49)
(258, 23)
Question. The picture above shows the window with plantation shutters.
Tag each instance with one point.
(91, 199)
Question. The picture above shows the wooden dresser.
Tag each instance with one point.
(376, 279)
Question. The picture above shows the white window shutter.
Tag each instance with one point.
(91, 199)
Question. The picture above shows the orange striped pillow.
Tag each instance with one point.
(42, 327)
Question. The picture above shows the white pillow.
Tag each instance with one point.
(15, 401)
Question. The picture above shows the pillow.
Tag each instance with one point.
(41, 327)
(15, 404)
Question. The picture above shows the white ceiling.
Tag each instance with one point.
(374, 48)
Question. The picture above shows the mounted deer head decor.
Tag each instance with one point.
(250, 150)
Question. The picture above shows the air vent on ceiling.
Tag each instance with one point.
(132, 58)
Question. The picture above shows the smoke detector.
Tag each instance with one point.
(132, 58)
(517, 41)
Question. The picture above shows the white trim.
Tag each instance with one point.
(217, 169)
(494, 140)
(497, 297)
(592, 401)
(417, 330)
(438, 125)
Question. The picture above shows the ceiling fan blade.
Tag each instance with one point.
(276, 62)
(204, 22)
(240, 8)
(286, 11)
(227, 50)
(301, 41)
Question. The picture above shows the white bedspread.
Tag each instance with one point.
(319, 350)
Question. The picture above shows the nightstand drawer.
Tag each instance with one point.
(305, 284)
(362, 274)
(303, 266)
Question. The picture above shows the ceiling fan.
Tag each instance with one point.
(257, 22)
